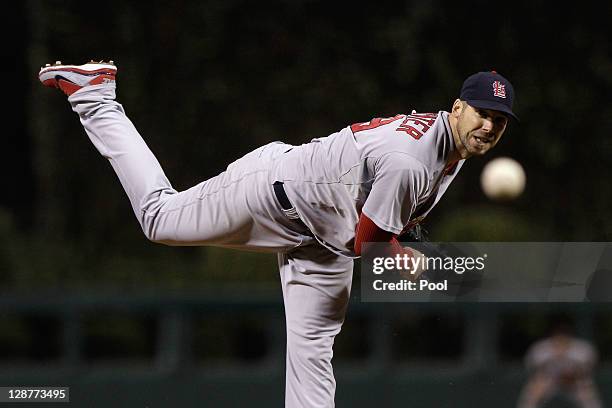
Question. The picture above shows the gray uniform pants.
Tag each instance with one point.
(236, 209)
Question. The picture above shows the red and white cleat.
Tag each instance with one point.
(71, 78)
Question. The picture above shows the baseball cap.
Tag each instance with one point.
(489, 90)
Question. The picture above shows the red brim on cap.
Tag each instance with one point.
(493, 106)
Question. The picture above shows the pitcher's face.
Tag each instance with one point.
(478, 129)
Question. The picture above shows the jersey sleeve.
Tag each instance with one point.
(368, 231)
(399, 182)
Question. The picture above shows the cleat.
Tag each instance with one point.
(71, 78)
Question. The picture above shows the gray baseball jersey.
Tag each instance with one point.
(391, 169)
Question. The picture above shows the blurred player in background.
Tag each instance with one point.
(560, 367)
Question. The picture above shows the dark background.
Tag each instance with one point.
(206, 82)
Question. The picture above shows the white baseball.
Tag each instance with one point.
(502, 179)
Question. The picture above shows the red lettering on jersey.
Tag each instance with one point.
(374, 123)
(417, 124)
(410, 130)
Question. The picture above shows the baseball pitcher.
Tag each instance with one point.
(314, 204)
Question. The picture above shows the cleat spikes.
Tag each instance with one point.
(102, 61)
(47, 65)
(58, 62)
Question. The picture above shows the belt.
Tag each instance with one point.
(281, 195)
(288, 208)
(286, 205)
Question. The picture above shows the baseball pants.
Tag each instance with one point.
(236, 209)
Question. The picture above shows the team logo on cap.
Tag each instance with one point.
(499, 89)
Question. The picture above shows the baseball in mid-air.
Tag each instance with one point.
(503, 179)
